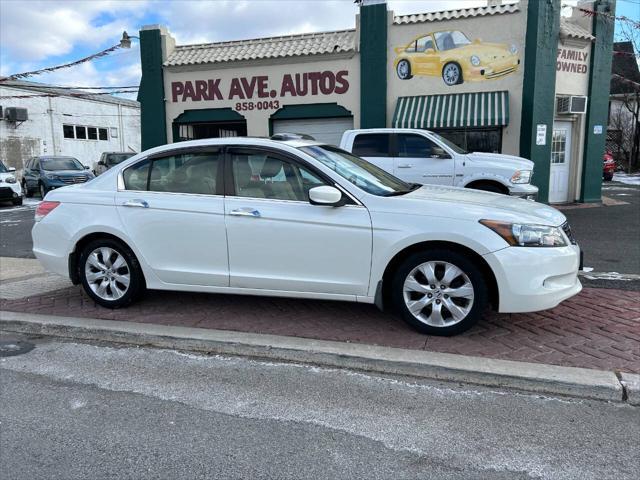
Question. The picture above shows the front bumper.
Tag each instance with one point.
(10, 191)
(531, 279)
(524, 190)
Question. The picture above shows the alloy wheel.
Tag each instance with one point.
(451, 74)
(403, 70)
(107, 273)
(438, 294)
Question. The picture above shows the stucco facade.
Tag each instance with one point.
(486, 77)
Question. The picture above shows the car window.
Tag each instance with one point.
(3, 169)
(61, 163)
(136, 176)
(451, 40)
(372, 145)
(358, 171)
(260, 175)
(415, 146)
(116, 158)
(411, 47)
(188, 172)
(424, 43)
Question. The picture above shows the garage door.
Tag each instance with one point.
(327, 130)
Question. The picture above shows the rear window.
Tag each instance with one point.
(116, 158)
(372, 145)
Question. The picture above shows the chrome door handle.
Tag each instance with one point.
(136, 203)
(406, 165)
(245, 212)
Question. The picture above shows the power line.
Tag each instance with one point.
(70, 94)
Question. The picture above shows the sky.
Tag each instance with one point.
(43, 33)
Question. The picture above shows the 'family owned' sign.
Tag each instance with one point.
(573, 61)
(260, 87)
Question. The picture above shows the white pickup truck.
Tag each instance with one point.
(421, 156)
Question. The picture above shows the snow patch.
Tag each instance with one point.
(629, 179)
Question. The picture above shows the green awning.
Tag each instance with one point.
(458, 110)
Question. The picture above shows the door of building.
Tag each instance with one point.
(560, 163)
(327, 130)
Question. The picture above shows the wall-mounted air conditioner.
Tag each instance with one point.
(570, 104)
(15, 114)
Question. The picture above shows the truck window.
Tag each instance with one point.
(414, 146)
(372, 145)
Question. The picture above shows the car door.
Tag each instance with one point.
(420, 160)
(375, 148)
(278, 241)
(172, 208)
(426, 58)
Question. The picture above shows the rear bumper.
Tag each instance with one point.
(534, 279)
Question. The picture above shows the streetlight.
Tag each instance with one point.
(125, 41)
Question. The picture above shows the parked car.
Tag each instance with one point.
(297, 218)
(453, 56)
(421, 156)
(608, 167)
(109, 159)
(9, 188)
(42, 174)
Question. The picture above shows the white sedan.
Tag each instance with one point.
(296, 218)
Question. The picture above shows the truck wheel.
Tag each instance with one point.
(439, 292)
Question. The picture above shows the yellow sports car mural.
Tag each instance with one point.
(451, 54)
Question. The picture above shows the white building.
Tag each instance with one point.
(64, 122)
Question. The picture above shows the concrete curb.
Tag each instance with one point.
(531, 377)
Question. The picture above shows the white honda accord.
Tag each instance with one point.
(296, 218)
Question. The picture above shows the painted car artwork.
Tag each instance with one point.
(451, 55)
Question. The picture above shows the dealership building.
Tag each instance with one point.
(529, 78)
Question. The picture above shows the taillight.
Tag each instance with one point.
(44, 208)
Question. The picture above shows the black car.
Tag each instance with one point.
(45, 173)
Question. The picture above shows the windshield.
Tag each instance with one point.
(62, 163)
(116, 158)
(451, 40)
(450, 144)
(3, 168)
(358, 171)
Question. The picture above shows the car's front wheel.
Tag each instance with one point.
(27, 193)
(110, 273)
(403, 69)
(17, 201)
(43, 191)
(439, 292)
(452, 74)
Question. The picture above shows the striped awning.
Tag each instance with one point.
(458, 110)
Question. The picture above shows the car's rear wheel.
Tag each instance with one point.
(608, 177)
(439, 292)
(403, 69)
(110, 273)
(452, 74)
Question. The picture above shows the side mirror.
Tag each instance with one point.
(86, 167)
(477, 41)
(437, 152)
(326, 196)
(11, 169)
(101, 163)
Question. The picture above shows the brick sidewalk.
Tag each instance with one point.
(597, 329)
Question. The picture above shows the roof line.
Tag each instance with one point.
(261, 39)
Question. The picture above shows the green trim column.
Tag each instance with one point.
(539, 86)
(153, 127)
(373, 65)
(598, 103)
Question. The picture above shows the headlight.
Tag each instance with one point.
(475, 60)
(519, 235)
(513, 49)
(10, 179)
(521, 176)
(51, 176)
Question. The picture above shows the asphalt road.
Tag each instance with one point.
(78, 411)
